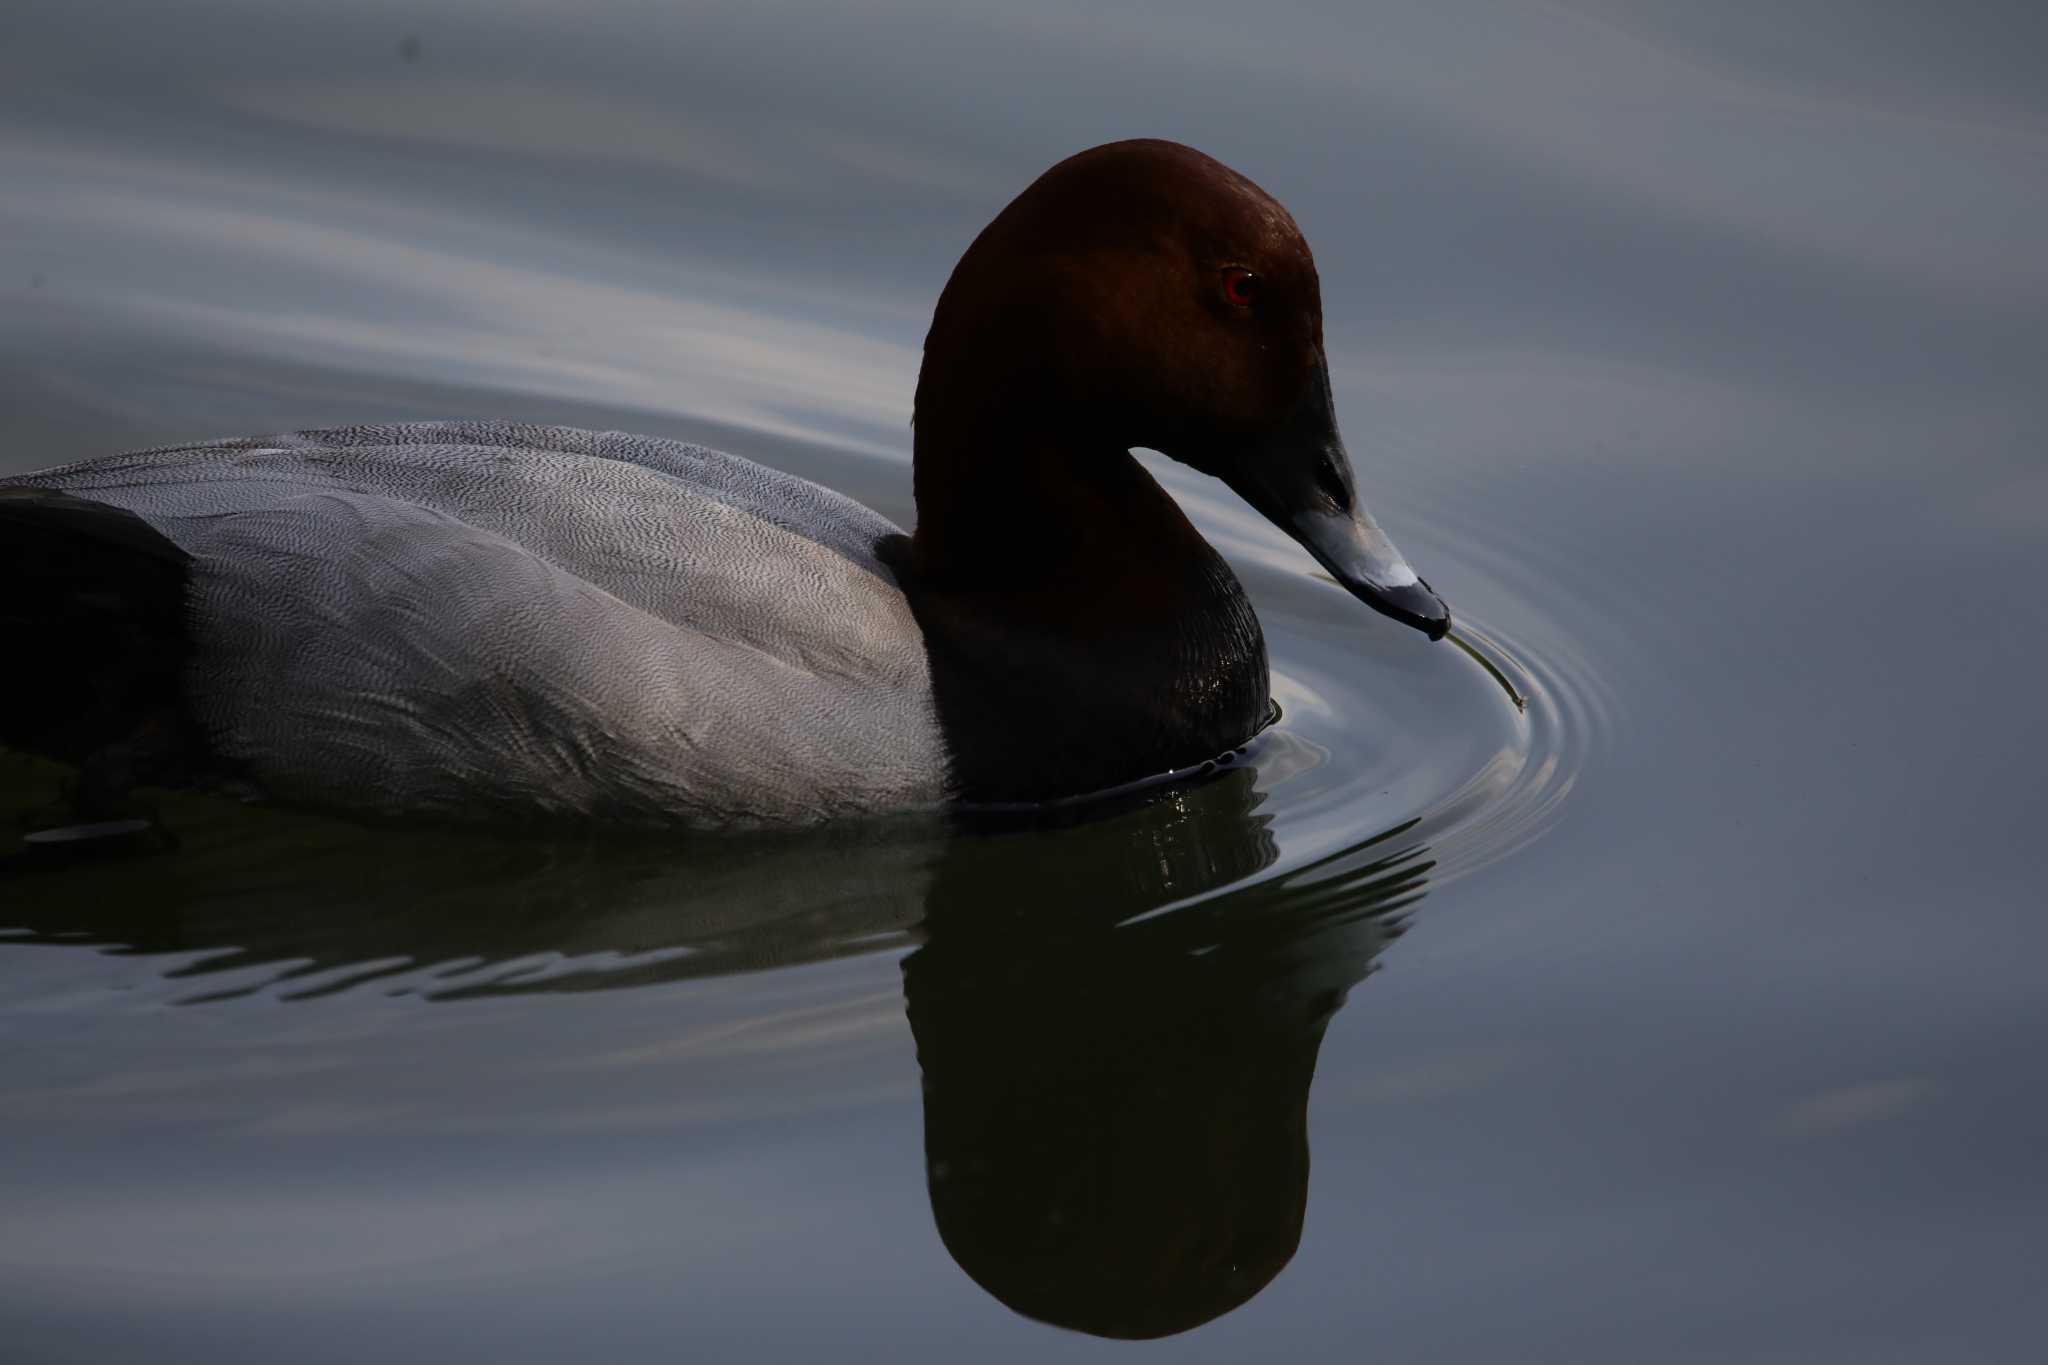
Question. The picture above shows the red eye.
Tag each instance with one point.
(1240, 286)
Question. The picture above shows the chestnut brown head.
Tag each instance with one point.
(1143, 294)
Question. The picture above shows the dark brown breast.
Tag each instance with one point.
(1066, 687)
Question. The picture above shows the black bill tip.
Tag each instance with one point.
(1414, 604)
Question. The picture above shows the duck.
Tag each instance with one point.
(496, 621)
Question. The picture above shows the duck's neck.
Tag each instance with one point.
(1035, 515)
(1082, 633)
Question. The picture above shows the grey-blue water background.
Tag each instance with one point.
(1696, 353)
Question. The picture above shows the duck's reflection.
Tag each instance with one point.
(1117, 1022)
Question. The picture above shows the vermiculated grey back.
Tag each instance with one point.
(475, 620)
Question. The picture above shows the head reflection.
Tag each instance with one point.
(1115, 1100)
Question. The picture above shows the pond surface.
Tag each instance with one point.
(1690, 1012)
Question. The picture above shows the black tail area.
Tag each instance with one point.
(92, 628)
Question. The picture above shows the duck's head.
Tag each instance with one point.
(1143, 294)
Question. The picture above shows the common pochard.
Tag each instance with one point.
(487, 620)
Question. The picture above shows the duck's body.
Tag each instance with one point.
(491, 620)
(482, 619)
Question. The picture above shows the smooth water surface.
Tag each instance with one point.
(1689, 1013)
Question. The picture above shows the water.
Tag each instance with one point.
(1689, 1014)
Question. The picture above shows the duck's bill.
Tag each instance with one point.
(1300, 479)
(1358, 554)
